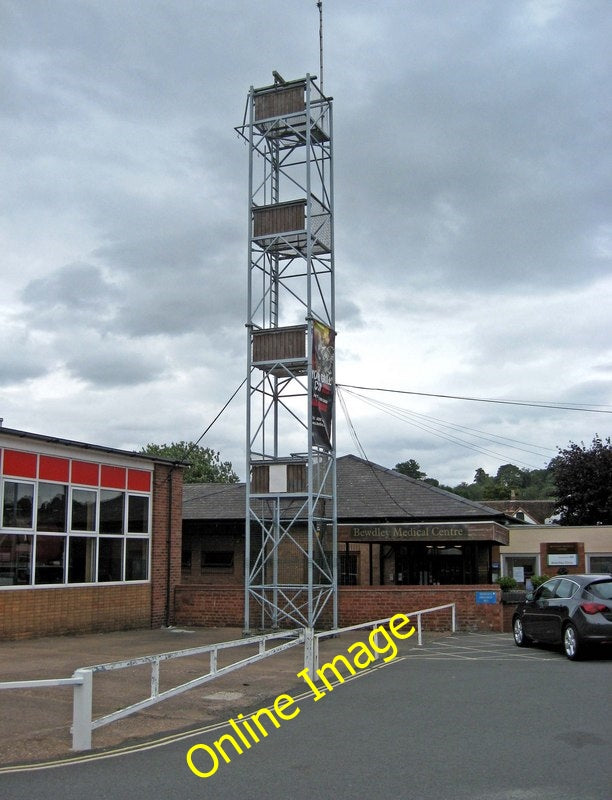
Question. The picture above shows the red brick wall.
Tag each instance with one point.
(363, 603)
(224, 606)
(196, 541)
(508, 610)
(73, 609)
(209, 606)
(167, 491)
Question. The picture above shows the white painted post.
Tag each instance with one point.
(419, 630)
(309, 650)
(81, 710)
(376, 635)
(213, 660)
(453, 619)
(155, 678)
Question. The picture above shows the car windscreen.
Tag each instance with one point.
(602, 589)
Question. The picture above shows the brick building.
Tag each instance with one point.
(90, 537)
(403, 544)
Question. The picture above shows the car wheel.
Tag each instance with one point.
(571, 643)
(520, 638)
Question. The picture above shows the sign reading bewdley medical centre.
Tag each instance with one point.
(423, 532)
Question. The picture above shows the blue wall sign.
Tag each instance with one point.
(486, 598)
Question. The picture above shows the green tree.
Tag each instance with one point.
(411, 468)
(205, 465)
(583, 477)
(510, 477)
(481, 477)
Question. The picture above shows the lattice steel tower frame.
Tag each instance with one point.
(291, 529)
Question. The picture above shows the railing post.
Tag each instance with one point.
(155, 678)
(453, 618)
(81, 710)
(419, 630)
(213, 661)
(309, 650)
(376, 652)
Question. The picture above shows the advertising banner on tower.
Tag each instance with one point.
(322, 384)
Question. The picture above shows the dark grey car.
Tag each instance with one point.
(572, 610)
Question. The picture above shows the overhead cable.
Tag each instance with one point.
(587, 407)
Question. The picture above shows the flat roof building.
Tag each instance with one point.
(90, 536)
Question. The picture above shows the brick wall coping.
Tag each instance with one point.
(451, 587)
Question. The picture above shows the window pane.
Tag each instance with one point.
(109, 559)
(111, 511)
(136, 559)
(18, 503)
(217, 559)
(600, 564)
(547, 590)
(565, 588)
(49, 562)
(138, 514)
(15, 559)
(83, 510)
(348, 569)
(51, 513)
(81, 559)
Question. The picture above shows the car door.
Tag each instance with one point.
(558, 608)
(536, 616)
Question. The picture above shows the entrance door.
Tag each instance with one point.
(422, 564)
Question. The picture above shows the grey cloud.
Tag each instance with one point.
(472, 174)
(114, 363)
(76, 289)
(21, 361)
(507, 136)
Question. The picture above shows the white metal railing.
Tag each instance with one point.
(83, 722)
(81, 692)
(82, 680)
(311, 642)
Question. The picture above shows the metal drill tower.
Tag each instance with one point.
(291, 536)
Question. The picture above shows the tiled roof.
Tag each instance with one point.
(538, 510)
(224, 501)
(365, 491)
(369, 491)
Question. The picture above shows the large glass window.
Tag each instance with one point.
(136, 559)
(49, 561)
(111, 511)
(522, 569)
(51, 511)
(84, 510)
(110, 557)
(15, 559)
(54, 533)
(18, 504)
(81, 559)
(138, 514)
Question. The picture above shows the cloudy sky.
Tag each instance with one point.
(473, 179)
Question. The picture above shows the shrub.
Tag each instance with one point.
(506, 583)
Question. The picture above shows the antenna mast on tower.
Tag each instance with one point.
(320, 7)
